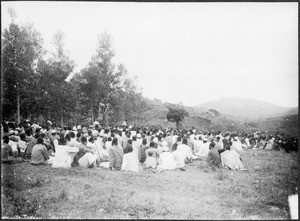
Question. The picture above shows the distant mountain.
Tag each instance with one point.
(249, 108)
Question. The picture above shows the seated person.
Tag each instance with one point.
(22, 144)
(39, 154)
(64, 154)
(6, 152)
(153, 150)
(85, 156)
(166, 161)
(231, 159)
(115, 155)
(150, 161)
(30, 145)
(142, 151)
(179, 157)
(130, 161)
(213, 157)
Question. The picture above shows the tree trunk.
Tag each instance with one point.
(61, 118)
(179, 125)
(18, 107)
(105, 118)
(92, 114)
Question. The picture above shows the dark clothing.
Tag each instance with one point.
(115, 157)
(129, 146)
(6, 153)
(142, 153)
(214, 157)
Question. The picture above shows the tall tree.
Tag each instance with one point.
(60, 91)
(21, 47)
(101, 79)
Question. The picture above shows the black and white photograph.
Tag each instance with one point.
(149, 110)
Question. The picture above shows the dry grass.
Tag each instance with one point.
(260, 193)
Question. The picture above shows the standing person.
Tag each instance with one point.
(39, 153)
(115, 155)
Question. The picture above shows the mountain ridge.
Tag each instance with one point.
(246, 107)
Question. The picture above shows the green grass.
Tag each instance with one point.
(196, 193)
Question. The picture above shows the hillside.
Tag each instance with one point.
(205, 118)
(248, 108)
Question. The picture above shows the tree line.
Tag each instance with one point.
(35, 83)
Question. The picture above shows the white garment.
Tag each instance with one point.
(174, 139)
(167, 161)
(100, 150)
(237, 146)
(73, 143)
(150, 162)
(87, 160)
(197, 144)
(22, 144)
(179, 159)
(14, 145)
(203, 149)
(135, 147)
(231, 159)
(130, 162)
(247, 142)
(186, 150)
(64, 156)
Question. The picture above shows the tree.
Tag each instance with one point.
(176, 113)
(59, 92)
(100, 79)
(21, 47)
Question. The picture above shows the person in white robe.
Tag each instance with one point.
(130, 161)
(64, 154)
(231, 159)
(203, 149)
(166, 161)
(236, 145)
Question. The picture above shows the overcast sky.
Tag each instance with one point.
(183, 52)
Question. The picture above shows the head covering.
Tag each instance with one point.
(155, 140)
(74, 128)
(48, 121)
(16, 132)
(235, 138)
(138, 135)
(204, 139)
(11, 132)
(78, 127)
(53, 131)
(95, 133)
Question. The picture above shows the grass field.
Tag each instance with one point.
(197, 193)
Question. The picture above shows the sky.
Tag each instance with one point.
(182, 52)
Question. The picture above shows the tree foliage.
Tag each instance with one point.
(176, 113)
(47, 88)
(21, 47)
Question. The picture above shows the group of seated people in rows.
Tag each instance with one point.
(123, 148)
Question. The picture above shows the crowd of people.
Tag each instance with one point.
(129, 148)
